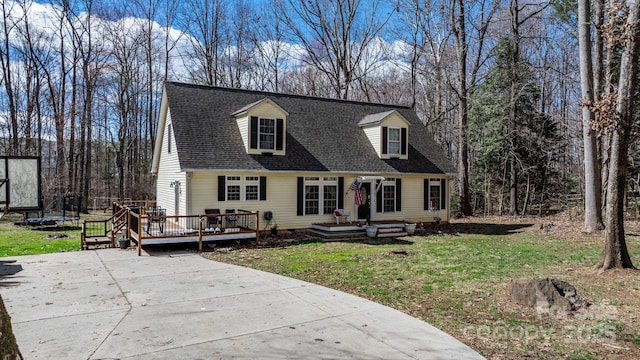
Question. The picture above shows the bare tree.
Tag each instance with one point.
(620, 122)
(335, 35)
(205, 21)
(592, 185)
(269, 44)
(8, 24)
(462, 90)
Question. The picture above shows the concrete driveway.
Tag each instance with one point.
(111, 304)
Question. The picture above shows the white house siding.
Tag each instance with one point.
(394, 120)
(282, 198)
(243, 126)
(168, 173)
(374, 133)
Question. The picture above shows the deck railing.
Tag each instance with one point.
(101, 228)
(149, 225)
(142, 220)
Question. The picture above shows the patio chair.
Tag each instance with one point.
(231, 218)
(160, 219)
(341, 214)
(211, 220)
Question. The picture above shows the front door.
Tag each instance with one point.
(365, 208)
(176, 199)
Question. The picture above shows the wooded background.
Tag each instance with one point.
(496, 82)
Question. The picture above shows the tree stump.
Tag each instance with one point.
(546, 295)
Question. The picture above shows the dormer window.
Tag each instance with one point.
(267, 134)
(262, 125)
(387, 133)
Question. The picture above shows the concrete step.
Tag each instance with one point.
(390, 230)
(338, 236)
(391, 234)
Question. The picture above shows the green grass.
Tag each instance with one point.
(459, 284)
(24, 240)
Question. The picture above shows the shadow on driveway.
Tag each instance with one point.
(8, 268)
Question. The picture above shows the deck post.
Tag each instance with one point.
(139, 234)
(257, 227)
(83, 235)
(113, 236)
(200, 234)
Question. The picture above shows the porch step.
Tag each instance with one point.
(383, 232)
(391, 232)
(338, 235)
(101, 242)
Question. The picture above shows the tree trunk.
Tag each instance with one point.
(513, 111)
(458, 26)
(592, 185)
(615, 253)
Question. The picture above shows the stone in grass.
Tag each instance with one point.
(546, 295)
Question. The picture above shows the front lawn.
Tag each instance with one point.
(458, 282)
(28, 240)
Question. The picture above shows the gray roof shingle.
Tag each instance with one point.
(322, 134)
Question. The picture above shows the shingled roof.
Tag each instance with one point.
(322, 134)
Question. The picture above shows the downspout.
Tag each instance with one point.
(188, 195)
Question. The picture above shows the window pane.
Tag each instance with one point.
(389, 198)
(267, 134)
(394, 134)
(312, 199)
(394, 148)
(330, 198)
(233, 192)
(434, 197)
(251, 192)
(394, 141)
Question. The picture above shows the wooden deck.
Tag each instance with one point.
(145, 224)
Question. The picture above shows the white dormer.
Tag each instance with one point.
(388, 134)
(263, 126)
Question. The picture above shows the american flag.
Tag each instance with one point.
(357, 197)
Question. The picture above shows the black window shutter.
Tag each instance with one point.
(426, 194)
(263, 188)
(378, 197)
(279, 134)
(398, 194)
(403, 138)
(443, 194)
(221, 188)
(253, 129)
(341, 192)
(300, 196)
(385, 135)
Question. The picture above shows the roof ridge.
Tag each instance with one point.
(280, 94)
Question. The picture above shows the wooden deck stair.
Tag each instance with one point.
(98, 234)
(100, 242)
